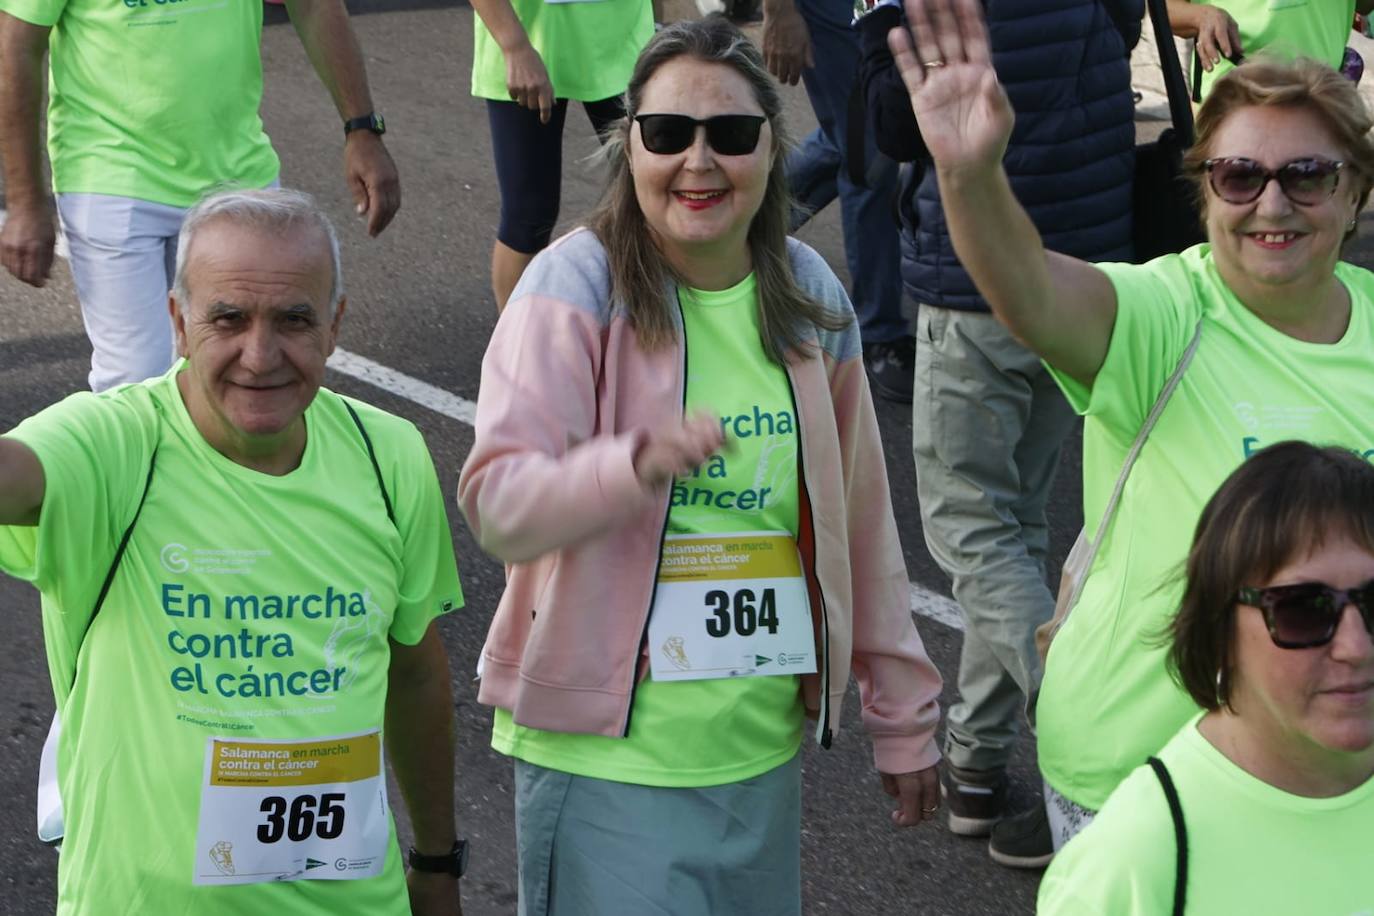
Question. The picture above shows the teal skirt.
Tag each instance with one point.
(591, 847)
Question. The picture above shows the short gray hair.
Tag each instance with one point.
(275, 210)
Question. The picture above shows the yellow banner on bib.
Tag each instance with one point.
(694, 558)
(295, 763)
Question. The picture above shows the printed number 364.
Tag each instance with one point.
(741, 611)
(302, 816)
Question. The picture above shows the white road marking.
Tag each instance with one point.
(402, 385)
(924, 602)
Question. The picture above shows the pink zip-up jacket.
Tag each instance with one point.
(567, 396)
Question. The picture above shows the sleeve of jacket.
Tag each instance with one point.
(540, 475)
(885, 95)
(898, 683)
(899, 686)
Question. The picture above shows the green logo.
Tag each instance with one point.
(761, 659)
(313, 863)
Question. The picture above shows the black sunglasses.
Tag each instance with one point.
(728, 135)
(1306, 182)
(1306, 615)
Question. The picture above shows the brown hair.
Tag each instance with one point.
(1278, 506)
(1304, 83)
(639, 272)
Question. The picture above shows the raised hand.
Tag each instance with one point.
(946, 63)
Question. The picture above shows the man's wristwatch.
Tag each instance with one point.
(370, 121)
(455, 863)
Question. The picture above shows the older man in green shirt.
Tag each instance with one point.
(240, 573)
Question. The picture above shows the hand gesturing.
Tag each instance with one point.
(946, 62)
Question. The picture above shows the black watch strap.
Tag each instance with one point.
(370, 121)
(455, 863)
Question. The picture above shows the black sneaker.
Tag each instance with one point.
(1023, 841)
(974, 799)
(891, 366)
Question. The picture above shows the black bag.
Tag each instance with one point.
(1166, 217)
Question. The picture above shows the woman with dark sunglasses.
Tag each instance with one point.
(1268, 334)
(1263, 803)
(677, 457)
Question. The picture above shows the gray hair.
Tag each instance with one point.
(274, 210)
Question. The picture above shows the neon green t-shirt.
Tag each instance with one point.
(1106, 702)
(153, 99)
(1252, 848)
(1287, 28)
(589, 47)
(233, 581)
(707, 732)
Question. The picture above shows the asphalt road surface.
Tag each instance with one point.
(421, 309)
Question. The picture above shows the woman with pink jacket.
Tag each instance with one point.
(678, 460)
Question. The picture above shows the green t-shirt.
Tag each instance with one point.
(232, 582)
(153, 99)
(1107, 702)
(589, 47)
(1288, 28)
(707, 732)
(1252, 848)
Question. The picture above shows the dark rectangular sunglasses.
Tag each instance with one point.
(1306, 182)
(1306, 615)
(728, 135)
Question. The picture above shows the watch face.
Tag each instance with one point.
(378, 124)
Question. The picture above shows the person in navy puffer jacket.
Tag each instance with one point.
(988, 420)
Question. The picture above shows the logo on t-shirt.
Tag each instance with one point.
(212, 561)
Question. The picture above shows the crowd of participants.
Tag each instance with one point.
(727, 553)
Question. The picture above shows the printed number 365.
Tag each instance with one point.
(304, 815)
(741, 612)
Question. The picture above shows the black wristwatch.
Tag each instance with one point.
(455, 863)
(370, 121)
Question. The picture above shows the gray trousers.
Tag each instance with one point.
(987, 425)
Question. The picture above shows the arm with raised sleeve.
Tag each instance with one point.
(541, 475)
(21, 483)
(1062, 308)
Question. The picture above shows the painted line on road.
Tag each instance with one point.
(402, 385)
(924, 602)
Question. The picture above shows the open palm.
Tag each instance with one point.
(946, 63)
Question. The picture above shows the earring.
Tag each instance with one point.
(1353, 223)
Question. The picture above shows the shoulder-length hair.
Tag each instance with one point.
(1265, 81)
(1283, 503)
(640, 274)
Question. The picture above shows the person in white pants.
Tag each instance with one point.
(151, 106)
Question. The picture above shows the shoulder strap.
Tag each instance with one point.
(372, 456)
(1166, 782)
(1146, 428)
(118, 556)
